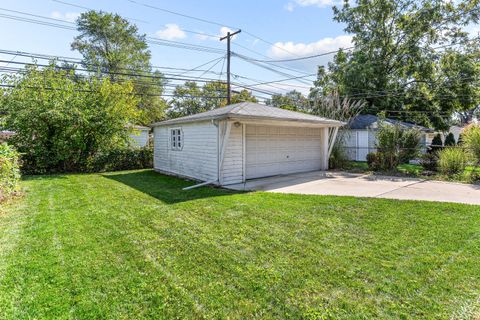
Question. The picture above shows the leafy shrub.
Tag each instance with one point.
(450, 140)
(453, 160)
(9, 171)
(397, 145)
(338, 157)
(121, 159)
(471, 141)
(437, 143)
(429, 161)
(59, 130)
(375, 161)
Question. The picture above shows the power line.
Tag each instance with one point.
(152, 40)
(89, 9)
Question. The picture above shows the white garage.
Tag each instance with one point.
(243, 141)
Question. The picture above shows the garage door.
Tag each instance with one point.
(272, 150)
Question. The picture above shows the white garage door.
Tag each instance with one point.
(274, 150)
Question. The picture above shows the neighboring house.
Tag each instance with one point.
(140, 136)
(456, 130)
(361, 135)
(243, 141)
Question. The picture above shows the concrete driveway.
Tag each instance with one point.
(361, 185)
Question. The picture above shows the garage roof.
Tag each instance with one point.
(252, 111)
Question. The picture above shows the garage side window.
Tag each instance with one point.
(176, 138)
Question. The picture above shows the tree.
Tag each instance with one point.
(437, 143)
(450, 140)
(190, 99)
(395, 65)
(243, 96)
(292, 100)
(111, 46)
(186, 100)
(62, 122)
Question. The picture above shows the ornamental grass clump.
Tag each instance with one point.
(453, 161)
(471, 141)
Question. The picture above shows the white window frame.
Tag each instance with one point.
(176, 139)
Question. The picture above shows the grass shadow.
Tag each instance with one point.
(165, 188)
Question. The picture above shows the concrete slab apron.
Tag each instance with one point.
(344, 184)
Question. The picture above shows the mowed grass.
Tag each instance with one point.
(133, 245)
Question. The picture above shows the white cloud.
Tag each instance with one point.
(222, 33)
(306, 3)
(67, 16)
(285, 50)
(291, 50)
(171, 32)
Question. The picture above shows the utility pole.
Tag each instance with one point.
(228, 37)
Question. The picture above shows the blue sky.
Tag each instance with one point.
(296, 27)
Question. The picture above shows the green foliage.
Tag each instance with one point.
(9, 171)
(338, 157)
(471, 141)
(375, 161)
(429, 161)
(292, 100)
(395, 65)
(122, 159)
(450, 140)
(61, 122)
(111, 44)
(397, 145)
(453, 160)
(437, 143)
(190, 99)
(243, 96)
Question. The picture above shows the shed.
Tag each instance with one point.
(361, 135)
(140, 136)
(243, 141)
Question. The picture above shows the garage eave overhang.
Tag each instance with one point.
(259, 120)
(286, 122)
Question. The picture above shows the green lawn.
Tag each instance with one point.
(133, 245)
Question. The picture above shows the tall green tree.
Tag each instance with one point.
(61, 122)
(396, 61)
(292, 100)
(113, 47)
(190, 98)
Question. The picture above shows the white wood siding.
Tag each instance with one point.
(233, 162)
(139, 138)
(199, 156)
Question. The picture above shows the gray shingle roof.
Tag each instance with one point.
(253, 111)
(365, 121)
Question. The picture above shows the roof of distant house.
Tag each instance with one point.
(254, 111)
(369, 121)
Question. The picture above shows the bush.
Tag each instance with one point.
(437, 143)
(338, 157)
(59, 130)
(9, 171)
(375, 161)
(121, 159)
(450, 140)
(471, 141)
(429, 161)
(453, 160)
(397, 145)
